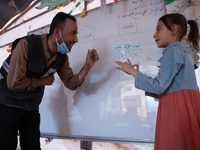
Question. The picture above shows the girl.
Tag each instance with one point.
(178, 117)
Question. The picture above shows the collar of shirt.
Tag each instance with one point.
(49, 59)
(172, 44)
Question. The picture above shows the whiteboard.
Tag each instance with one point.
(107, 106)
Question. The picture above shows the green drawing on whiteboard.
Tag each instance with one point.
(169, 1)
(52, 3)
(86, 34)
(127, 25)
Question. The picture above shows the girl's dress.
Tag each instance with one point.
(178, 118)
(178, 121)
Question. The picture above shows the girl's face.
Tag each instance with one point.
(163, 36)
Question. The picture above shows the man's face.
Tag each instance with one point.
(69, 33)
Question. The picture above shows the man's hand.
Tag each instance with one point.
(46, 81)
(91, 58)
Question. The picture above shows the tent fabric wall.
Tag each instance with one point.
(11, 8)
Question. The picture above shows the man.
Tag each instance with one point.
(23, 75)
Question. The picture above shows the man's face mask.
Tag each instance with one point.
(62, 48)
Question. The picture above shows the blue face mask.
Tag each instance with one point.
(62, 48)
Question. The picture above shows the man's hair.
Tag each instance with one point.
(59, 21)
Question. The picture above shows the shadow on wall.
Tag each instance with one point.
(58, 105)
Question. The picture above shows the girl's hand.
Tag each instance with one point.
(128, 68)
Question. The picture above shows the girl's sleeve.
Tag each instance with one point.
(171, 63)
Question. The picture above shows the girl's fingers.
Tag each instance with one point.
(129, 62)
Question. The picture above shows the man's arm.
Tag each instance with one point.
(67, 76)
(91, 58)
(16, 78)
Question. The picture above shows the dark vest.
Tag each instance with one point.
(36, 68)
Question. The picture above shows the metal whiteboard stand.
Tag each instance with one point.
(86, 145)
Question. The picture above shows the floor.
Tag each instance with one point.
(58, 144)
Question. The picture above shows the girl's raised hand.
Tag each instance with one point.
(128, 68)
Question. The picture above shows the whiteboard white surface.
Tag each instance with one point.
(107, 106)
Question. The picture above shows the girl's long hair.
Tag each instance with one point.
(193, 35)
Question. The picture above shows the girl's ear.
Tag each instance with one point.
(174, 29)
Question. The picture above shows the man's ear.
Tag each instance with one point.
(174, 29)
(56, 32)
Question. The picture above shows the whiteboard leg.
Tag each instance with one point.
(86, 145)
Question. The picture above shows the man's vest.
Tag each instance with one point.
(36, 68)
